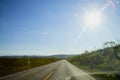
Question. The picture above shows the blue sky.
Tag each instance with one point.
(48, 27)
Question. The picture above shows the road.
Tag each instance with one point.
(60, 70)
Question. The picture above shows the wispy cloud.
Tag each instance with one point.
(44, 33)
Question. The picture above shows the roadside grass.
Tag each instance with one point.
(13, 65)
(106, 76)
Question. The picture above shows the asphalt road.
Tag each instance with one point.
(60, 70)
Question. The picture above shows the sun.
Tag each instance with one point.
(92, 19)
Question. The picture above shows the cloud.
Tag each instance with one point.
(44, 33)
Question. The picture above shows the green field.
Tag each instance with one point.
(12, 65)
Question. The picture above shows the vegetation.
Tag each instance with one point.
(107, 76)
(103, 60)
(12, 65)
(107, 59)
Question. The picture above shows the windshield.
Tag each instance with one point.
(80, 33)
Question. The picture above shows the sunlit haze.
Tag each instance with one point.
(49, 27)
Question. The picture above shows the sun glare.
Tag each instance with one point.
(92, 19)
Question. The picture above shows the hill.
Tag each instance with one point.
(107, 59)
(39, 56)
(63, 55)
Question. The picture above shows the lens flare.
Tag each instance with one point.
(92, 19)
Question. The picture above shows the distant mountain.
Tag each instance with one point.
(38, 56)
(63, 55)
(107, 59)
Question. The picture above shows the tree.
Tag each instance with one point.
(109, 44)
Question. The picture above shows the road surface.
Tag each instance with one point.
(60, 70)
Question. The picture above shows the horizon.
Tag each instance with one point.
(37, 55)
(37, 27)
